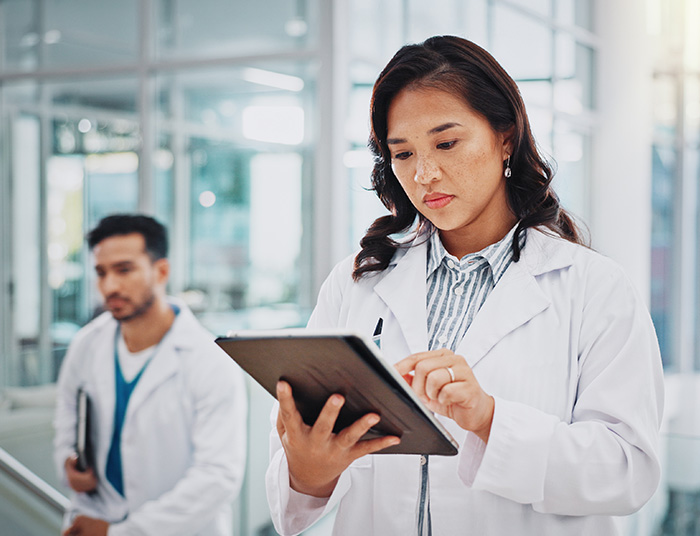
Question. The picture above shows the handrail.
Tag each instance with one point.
(32, 483)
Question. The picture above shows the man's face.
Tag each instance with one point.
(127, 278)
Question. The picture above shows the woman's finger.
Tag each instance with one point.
(288, 410)
(362, 448)
(437, 379)
(325, 422)
(352, 434)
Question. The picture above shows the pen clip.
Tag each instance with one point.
(377, 335)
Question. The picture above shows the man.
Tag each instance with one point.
(168, 406)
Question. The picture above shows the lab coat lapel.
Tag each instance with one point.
(161, 367)
(516, 298)
(403, 291)
(163, 364)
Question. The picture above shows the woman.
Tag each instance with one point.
(534, 351)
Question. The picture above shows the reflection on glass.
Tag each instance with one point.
(190, 28)
(274, 124)
(236, 138)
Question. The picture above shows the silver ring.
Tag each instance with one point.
(452, 374)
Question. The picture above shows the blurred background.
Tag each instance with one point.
(243, 127)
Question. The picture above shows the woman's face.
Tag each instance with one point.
(449, 162)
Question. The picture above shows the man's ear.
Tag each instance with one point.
(162, 267)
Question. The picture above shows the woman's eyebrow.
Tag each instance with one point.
(443, 127)
(434, 130)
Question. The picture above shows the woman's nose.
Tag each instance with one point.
(426, 171)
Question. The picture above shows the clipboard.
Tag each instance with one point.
(83, 438)
(318, 364)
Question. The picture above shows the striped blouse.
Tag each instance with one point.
(457, 288)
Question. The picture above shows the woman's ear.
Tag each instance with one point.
(507, 139)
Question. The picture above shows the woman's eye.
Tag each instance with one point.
(446, 145)
(402, 156)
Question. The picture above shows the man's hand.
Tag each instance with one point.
(80, 481)
(87, 526)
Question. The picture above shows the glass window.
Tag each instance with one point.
(664, 222)
(57, 34)
(190, 28)
(91, 171)
(239, 139)
(447, 17)
(573, 92)
(529, 58)
(542, 7)
(375, 32)
(572, 155)
(25, 365)
(575, 13)
(662, 250)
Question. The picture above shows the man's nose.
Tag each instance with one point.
(108, 284)
(426, 171)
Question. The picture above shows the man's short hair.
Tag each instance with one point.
(154, 233)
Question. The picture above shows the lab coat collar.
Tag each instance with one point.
(514, 300)
(517, 297)
(403, 290)
(165, 362)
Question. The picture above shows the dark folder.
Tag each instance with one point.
(83, 440)
(318, 364)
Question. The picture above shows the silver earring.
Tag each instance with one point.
(507, 172)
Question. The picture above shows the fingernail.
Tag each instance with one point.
(373, 420)
(337, 400)
(281, 387)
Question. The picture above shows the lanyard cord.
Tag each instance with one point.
(424, 522)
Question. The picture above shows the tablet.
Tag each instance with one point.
(318, 364)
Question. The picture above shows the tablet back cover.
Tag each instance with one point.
(316, 366)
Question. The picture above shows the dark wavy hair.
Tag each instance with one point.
(460, 67)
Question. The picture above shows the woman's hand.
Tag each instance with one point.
(456, 395)
(315, 455)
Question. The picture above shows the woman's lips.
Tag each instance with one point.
(437, 200)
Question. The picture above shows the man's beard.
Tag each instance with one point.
(140, 310)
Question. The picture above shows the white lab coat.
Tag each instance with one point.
(184, 437)
(567, 349)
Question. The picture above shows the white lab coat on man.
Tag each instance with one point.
(569, 353)
(184, 436)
